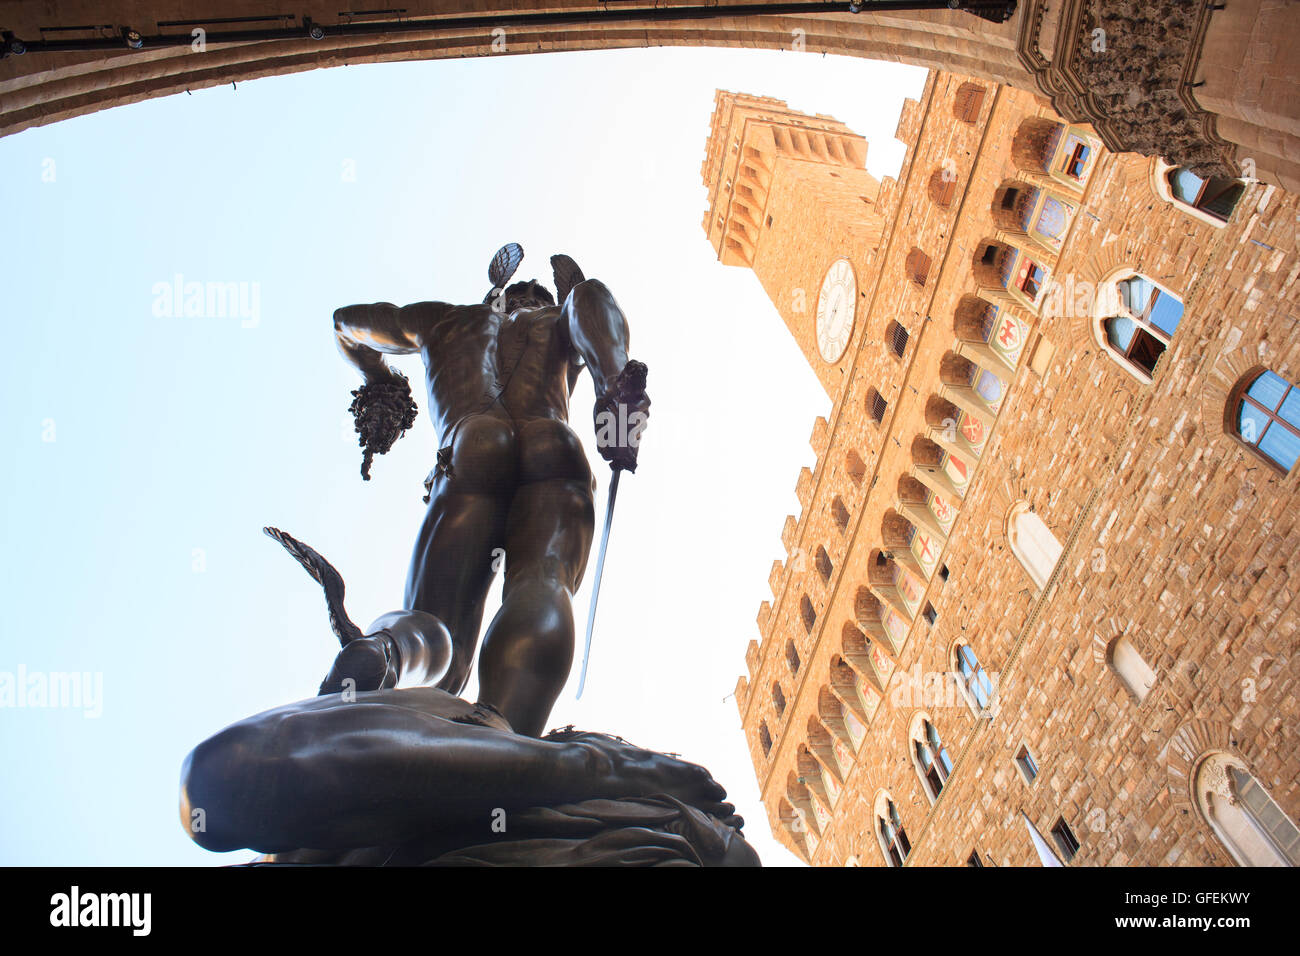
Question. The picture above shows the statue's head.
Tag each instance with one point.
(527, 295)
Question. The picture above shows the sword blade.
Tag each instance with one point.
(600, 568)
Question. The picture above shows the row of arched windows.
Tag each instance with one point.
(1233, 802)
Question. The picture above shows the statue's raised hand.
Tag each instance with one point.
(621, 415)
(384, 410)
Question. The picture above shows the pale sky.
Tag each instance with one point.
(147, 450)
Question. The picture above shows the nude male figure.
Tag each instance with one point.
(511, 475)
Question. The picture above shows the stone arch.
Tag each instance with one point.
(926, 453)
(822, 744)
(941, 413)
(880, 569)
(992, 263)
(970, 318)
(911, 491)
(1189, 744)
(956, 370)
(1010, 201)
(800, 797)
(810, 772)
(895, 530)
(844, 679)
(791, 823)
(1034, 142)
(866, 620)
(46, 91)
(828, 709)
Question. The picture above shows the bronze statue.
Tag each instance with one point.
(511, 475)
(416, 776)
(367, 773)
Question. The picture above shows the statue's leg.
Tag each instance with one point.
(528, 648)
(396, 765)
(453, 562)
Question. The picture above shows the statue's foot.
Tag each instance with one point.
(364, 664)
(636, 772)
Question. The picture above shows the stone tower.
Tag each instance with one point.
(764, 165)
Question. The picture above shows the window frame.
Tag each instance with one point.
(1237, 399)
(1203, 792)
(890, 845)
(1025, 756)
(1112, 306)
(972, 699)
(1066, 841)
(1160, 185)
(930, 758)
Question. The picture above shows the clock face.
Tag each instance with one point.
(836, 307)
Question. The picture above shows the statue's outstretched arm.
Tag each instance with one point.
(598, 331)
(365, 333)
(599, 334)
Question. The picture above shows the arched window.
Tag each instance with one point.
(1243, 816)
(897, 338)
(1216, 196)
(966, 104)
(1142, 325)
(823, 563)
(1265, 411)
(1033, 543)
(930, 757)
(876, 406)
(765, 738)
(807, 614)
(855, 466)
(976, 684)
(943, 187)
(917, 266)
(792, 657)
(1134, 672)
(778, 699)
(889, 831)
(840, 514)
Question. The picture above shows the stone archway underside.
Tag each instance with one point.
(58, 86)
(1042, 48)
